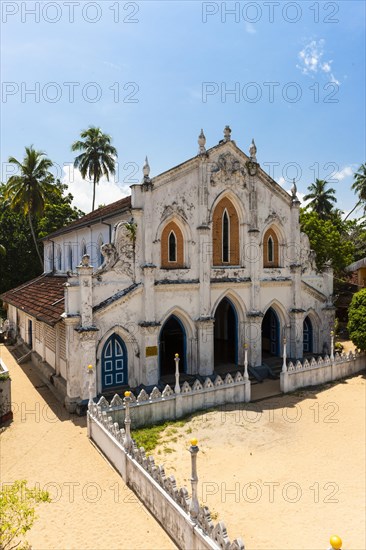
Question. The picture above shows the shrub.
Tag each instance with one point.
(17, 512)
(357, 319)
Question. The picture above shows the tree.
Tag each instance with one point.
(98, 157)
(322, 199)
(20, 266)
(26, 192)
(327, 239)
(359, 186)
(357, 319)
(17, 512)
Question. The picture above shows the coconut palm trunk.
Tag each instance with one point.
(35, 239)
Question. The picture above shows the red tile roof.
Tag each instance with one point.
(43, 298)
(93, 217)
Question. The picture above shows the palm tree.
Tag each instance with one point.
(26, 191)
(359, 187)
(322, 199)
(98, 156)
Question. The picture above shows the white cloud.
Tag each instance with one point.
(249, 28)
(344, 173)
(312, 63)
(82, 190)
(281, 180)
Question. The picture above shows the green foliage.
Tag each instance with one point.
(98, 157)
(329, 239)
(338, 347)
(322, 199)
(17, 512)
(357, 319)
(150, 437)
(25, 192)
(132, 230)
(19, 265)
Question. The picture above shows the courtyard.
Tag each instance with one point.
(283, 473)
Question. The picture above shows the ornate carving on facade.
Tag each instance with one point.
(228, 170)
(110, 256)
(173, 209)
(85, 261)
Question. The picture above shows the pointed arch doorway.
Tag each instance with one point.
(270, 334)
(307, 336)
(225, 334)
(172, 340)
(114, 363)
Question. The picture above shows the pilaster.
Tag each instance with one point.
(205, 253)
(254, 337)
(205, 331)
(149, 352)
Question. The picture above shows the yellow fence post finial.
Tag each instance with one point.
(335, 543)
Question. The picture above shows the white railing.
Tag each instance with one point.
(189, 524)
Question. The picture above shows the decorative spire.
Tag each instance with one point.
(294, 192)
(202, 143)
(293, 188)
(146, 169)
(253, 151)
(227, 133)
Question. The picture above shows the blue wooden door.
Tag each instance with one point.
(114, 363)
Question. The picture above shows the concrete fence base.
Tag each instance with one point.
(321, 371)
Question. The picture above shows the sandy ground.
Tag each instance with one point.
(284, 473)
(92, 508)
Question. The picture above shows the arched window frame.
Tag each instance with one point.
(271, 250)
(172, 227)
(59, 258)
(172, 247)
(99, 252)
(218, 256)
(70, 257)
(83, 248)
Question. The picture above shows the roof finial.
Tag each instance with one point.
(294, 192)
(227, 133)
(202, 143)
(253, 151)
(146, 169)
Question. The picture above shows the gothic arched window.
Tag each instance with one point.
(172, 246)
(270, 249)
(172, 243)
(225, 234)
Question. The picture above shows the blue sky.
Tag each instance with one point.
(152, 74)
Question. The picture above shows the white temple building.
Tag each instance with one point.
(197, 261)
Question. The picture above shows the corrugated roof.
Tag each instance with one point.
(42, 298)
(93, 217)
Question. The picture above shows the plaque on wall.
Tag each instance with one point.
(151, 351)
